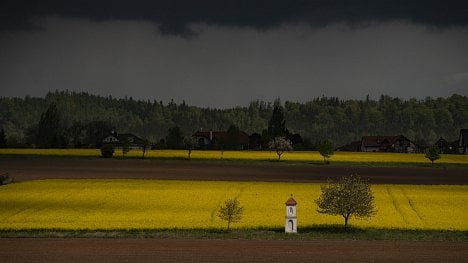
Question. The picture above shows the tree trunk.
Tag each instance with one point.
(229, 224)
(144, 150)
(189, 153)
(346, 223)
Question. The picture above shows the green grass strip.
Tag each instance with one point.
(307, 233)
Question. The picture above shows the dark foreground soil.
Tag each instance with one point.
(22, 169)
(195, 250)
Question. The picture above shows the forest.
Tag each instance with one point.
(84, 118)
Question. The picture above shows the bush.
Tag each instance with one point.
(326, 150)
(5, 179)
(107, 151)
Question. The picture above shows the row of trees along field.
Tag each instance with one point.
(83, 118)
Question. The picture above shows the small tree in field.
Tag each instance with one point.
(231, 211)
(190, 143)
(144, 147)
(433, 153)
(125, 147)
(280, 145)
(349, 196)
(326, 150)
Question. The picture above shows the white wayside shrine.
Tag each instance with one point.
(290, 225)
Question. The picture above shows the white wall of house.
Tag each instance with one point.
(205, 140)
(110, 139)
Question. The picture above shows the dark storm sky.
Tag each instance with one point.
(227, 53)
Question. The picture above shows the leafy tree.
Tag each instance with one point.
(349, 196)
(326, 150)
(190, 143)
(76, 134)
(2, 138)
(277, 123)
(433, 153)
(95, 131)
(174, 138)
(50, 131)
(255, 141)
(280, 145)
(296, 139)
(231, 211)
(125, 147)
(107, 151)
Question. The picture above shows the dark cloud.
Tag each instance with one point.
(173, 17)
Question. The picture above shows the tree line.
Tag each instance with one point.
(82, 119)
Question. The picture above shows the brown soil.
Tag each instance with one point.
(196, 250)
(22, 169)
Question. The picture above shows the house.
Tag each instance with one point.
(116, 140)
(398, 143)
(446, 146)
(463, 141)
(215, 139)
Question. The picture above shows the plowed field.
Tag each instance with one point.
(23, 169)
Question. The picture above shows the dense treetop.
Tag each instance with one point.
(340, 121)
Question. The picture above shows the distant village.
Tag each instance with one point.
(214, 140)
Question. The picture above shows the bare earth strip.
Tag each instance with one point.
(22, 169)
(195, 250)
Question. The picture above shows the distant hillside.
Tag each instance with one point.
(321, 118)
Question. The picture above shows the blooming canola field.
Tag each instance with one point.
(168, 204)
(300, 156)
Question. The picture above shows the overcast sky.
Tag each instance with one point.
(227, 53)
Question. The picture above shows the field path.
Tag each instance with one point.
(22, 169)
(209, 250)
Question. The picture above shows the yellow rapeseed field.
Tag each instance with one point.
(307, 156)
(158, 204)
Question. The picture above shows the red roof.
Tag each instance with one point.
(378, 141)
(291, 201)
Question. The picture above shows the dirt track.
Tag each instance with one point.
(22, 169)
(195, 250)
(199, 250)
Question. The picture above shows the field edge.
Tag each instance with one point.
(242, 161)
(330, 232)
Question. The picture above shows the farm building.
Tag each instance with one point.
(116, 140)
(446, 146)
(399, 144)
(215, 139)
(463, 141)
(354, 146)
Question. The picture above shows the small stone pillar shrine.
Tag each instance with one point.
(290, 225)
